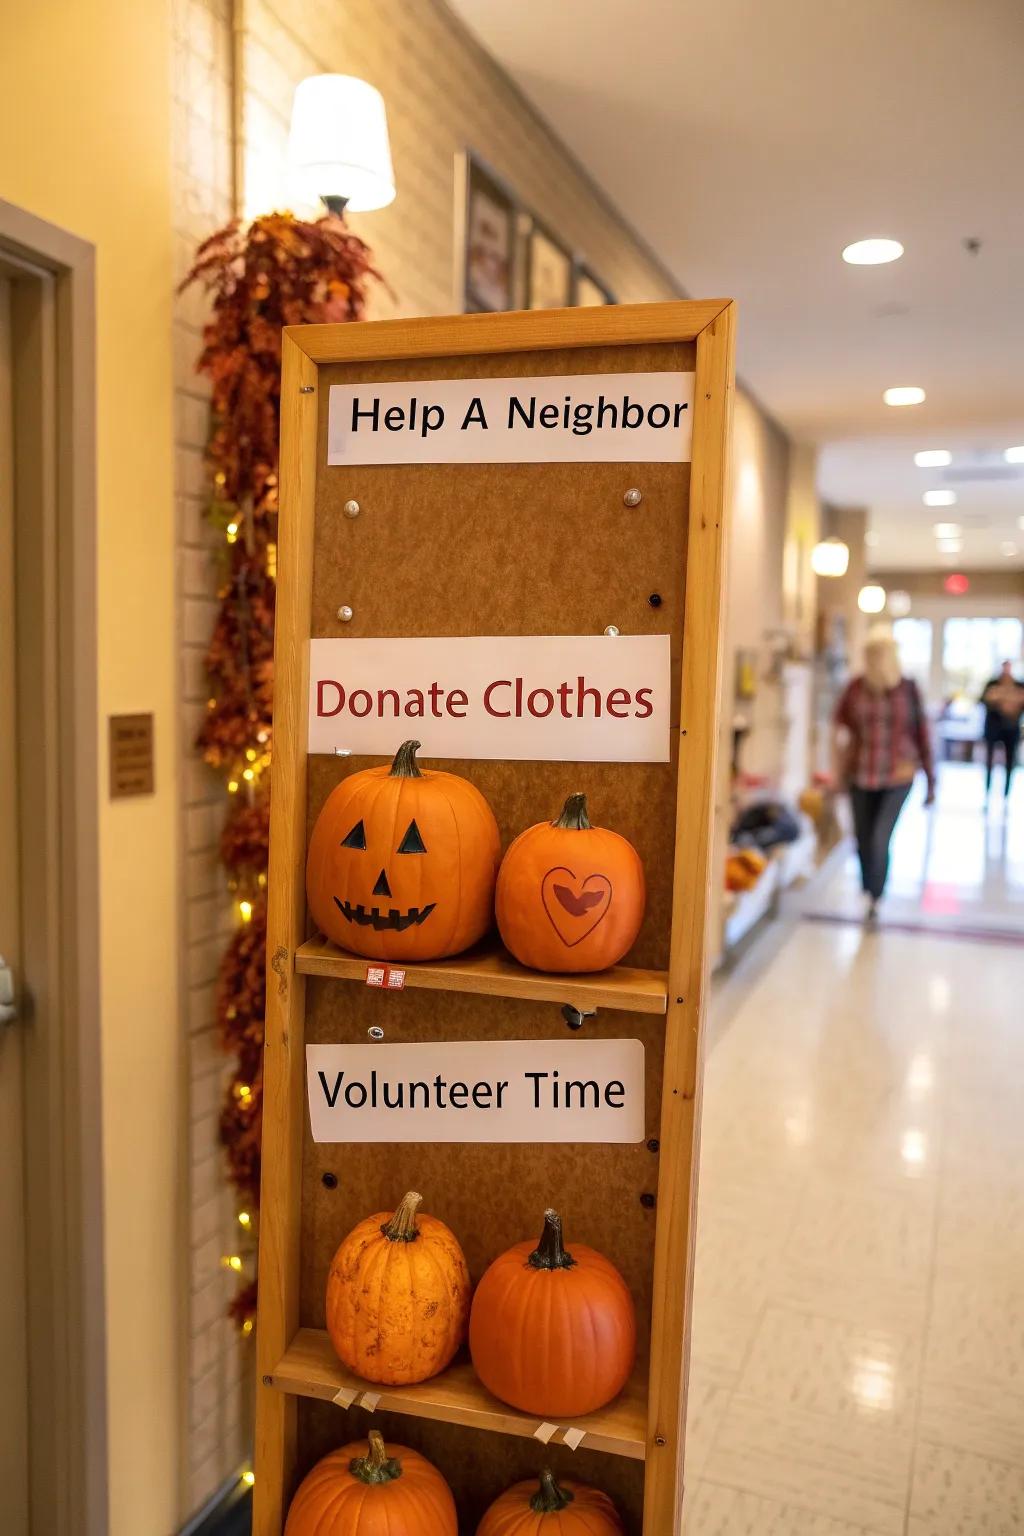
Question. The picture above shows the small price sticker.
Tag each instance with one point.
(390, 977)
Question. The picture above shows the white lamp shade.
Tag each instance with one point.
(830, 558)
(871, 599)
(339, 145)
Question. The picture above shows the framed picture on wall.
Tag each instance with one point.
(589, 290)
(549, 271)
(489, 259)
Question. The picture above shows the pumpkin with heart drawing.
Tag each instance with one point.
(570, 896)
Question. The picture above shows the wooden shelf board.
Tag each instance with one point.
(492, 972)
(310, 1368)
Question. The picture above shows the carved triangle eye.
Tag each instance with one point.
(412, 842)
(356, 838)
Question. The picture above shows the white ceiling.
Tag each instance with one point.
(748, 142)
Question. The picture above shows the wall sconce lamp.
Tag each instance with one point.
(338, 149)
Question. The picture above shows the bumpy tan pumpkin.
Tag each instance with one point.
(402, 862)
(398, 1296)
(364, 1489)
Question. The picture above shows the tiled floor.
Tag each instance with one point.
(858, 1347)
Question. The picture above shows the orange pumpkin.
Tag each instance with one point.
(553, 1332)
(570, 896)
(362, 1490)
(402, 862)
(398, 1296)
(554, 1509)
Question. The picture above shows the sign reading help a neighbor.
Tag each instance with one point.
(576, 418)
(478, 1090)
(541, 698)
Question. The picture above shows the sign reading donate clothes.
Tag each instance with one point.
(478, 1090)
(575, 418)
(541, 698)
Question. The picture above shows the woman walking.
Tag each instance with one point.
(882, 740)
(1003, 698)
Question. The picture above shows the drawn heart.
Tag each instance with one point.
(574, 907)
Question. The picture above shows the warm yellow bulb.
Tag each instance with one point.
(247, 773)
(245, 907)
(247, 1325)
(244, 1091)
(244, 1219)
(232, 786)
(232, 1261)
(250, 753)
(248, 1478)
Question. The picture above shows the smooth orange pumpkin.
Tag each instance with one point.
(363, 1489)
(398, 1296)
(570, 896)
(402, 862)
(567, 1508)
(553, 1332)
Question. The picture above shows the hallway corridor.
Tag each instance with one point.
(858, 1359)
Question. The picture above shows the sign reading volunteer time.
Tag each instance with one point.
(478, 1090)
(557, 698)
(577, 418)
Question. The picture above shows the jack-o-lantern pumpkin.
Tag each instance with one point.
(553, 1331)
(563, 1508)
(570, 896)
(402, 862)
(366, 1487)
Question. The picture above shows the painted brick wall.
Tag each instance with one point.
(443, 94)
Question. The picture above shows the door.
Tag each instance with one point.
(14, 1414)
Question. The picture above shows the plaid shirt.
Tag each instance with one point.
(888, 734)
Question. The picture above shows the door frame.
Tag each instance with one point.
(53, 313)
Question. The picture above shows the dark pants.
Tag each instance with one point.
(1010, 740)
(874, 817)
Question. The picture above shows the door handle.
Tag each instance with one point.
(8, 1003)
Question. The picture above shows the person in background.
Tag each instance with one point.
(1003, 698)
(881, 740)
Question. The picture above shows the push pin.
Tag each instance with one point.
(351, 509)
(375, 1032)
(574, 1016)
(343, 751)
(345, 613)
(633, 497)
(612, 629)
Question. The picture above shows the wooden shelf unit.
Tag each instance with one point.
(492, 972)
(310, 1368)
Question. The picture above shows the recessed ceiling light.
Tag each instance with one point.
(904, 394)
(1008, 548)
(1015, 455)
(939, 498)
(947, 530)
(933, 458)
(871, 599)
(872, 253)
(950, 546)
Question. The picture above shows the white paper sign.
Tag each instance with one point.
(576, 418)
(478, 1090)
(557, 698)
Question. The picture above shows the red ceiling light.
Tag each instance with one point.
(956, 584)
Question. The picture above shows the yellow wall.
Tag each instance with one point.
(84, 143)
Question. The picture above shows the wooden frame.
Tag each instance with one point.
(291, 1364)
(53, 280)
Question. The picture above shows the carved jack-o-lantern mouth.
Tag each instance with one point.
(375, 918)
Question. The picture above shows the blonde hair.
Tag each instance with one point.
(882, 670)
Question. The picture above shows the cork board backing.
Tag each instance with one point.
(500, 549)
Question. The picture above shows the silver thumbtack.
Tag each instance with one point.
(633, 497)
(344, 613)
(305, 389)
(612, 629)
(351, 509)
(343, 751)
(375, 1032)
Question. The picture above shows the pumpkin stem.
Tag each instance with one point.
(405, 765)
(376, 1466)
(549, 1498)
(402, 1226)
(574, 814)
(549, 1253)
